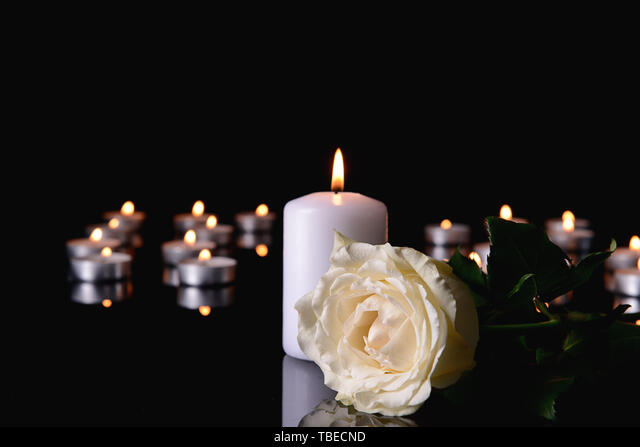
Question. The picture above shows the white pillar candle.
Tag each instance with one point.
(308, 235)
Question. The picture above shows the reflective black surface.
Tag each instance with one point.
(148, 352)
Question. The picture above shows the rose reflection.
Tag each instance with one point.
(307, 402)
(331, 413)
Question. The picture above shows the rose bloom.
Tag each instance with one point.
(385, 324)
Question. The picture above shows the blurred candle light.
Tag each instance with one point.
(83, 247)
(442, 239)
(206, 270)
(573, 239)
(190, 221)
(188, 247)
(214, 231)
(627, 282)
(262, 250)
(260, 220)
(506, 213)
(107, 303)
(130, 220)
(559, 224)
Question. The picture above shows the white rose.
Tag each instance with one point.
(385, 324)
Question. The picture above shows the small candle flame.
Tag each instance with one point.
(476, 258)
(107, 302)
(262, 210)
(190, 237)
(212, 221)
(262, 250)
(198, 208)
(204, 255)
(96, 235)
(127, 208)
(106, 252)
(445, 224)
(337, 177)
(568, 222)
(568, 215)
(114, 223)
(205, 311)
(505, 212)
(634, 243)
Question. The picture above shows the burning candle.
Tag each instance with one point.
(260, 220)
(570, 238)
(175, 251)
(447, 233)
(207, 270)
(81, 248)
(130, 220)
(627, 281)
(507, 214)
(190, 221)
(308, 235)
(107, 266)
(561, 223)
(214, 231)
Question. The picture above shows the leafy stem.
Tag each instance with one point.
(519, 329)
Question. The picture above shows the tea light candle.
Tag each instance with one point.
(624, 257)
(260, 220)
(627, 281)
(309, 228)
(558, 224)
(190, 221)
(213, 231)
(130, 219)
(107, 266)
(112, 230)
(507, 214)
(83, 247)
(175, 251)
(447, 233)
(206, 270)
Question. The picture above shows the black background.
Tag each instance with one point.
(451, 136)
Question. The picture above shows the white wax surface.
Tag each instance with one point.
(308, 235)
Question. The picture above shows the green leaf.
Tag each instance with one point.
(582, 272)
(519, 249)
(546, 393)
(469, 272)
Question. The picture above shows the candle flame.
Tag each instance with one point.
(107, 302)
(106, 252)
(114, 223)
(568, 215)
(505, 212)
(204, 310)
(127, 208)
(568, 222)
(634, 243)
(445, 224)
(198, 208)
(96, 235)
(204, 255)
(262, 250)
(190, 237)
(476, 258)
(212, 221)
(262, 210)
(337, 177)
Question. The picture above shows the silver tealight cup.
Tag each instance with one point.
(260, 220)
(207, 272)
(94, 268)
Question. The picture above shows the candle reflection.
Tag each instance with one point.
(99, 293)
(195, 298)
